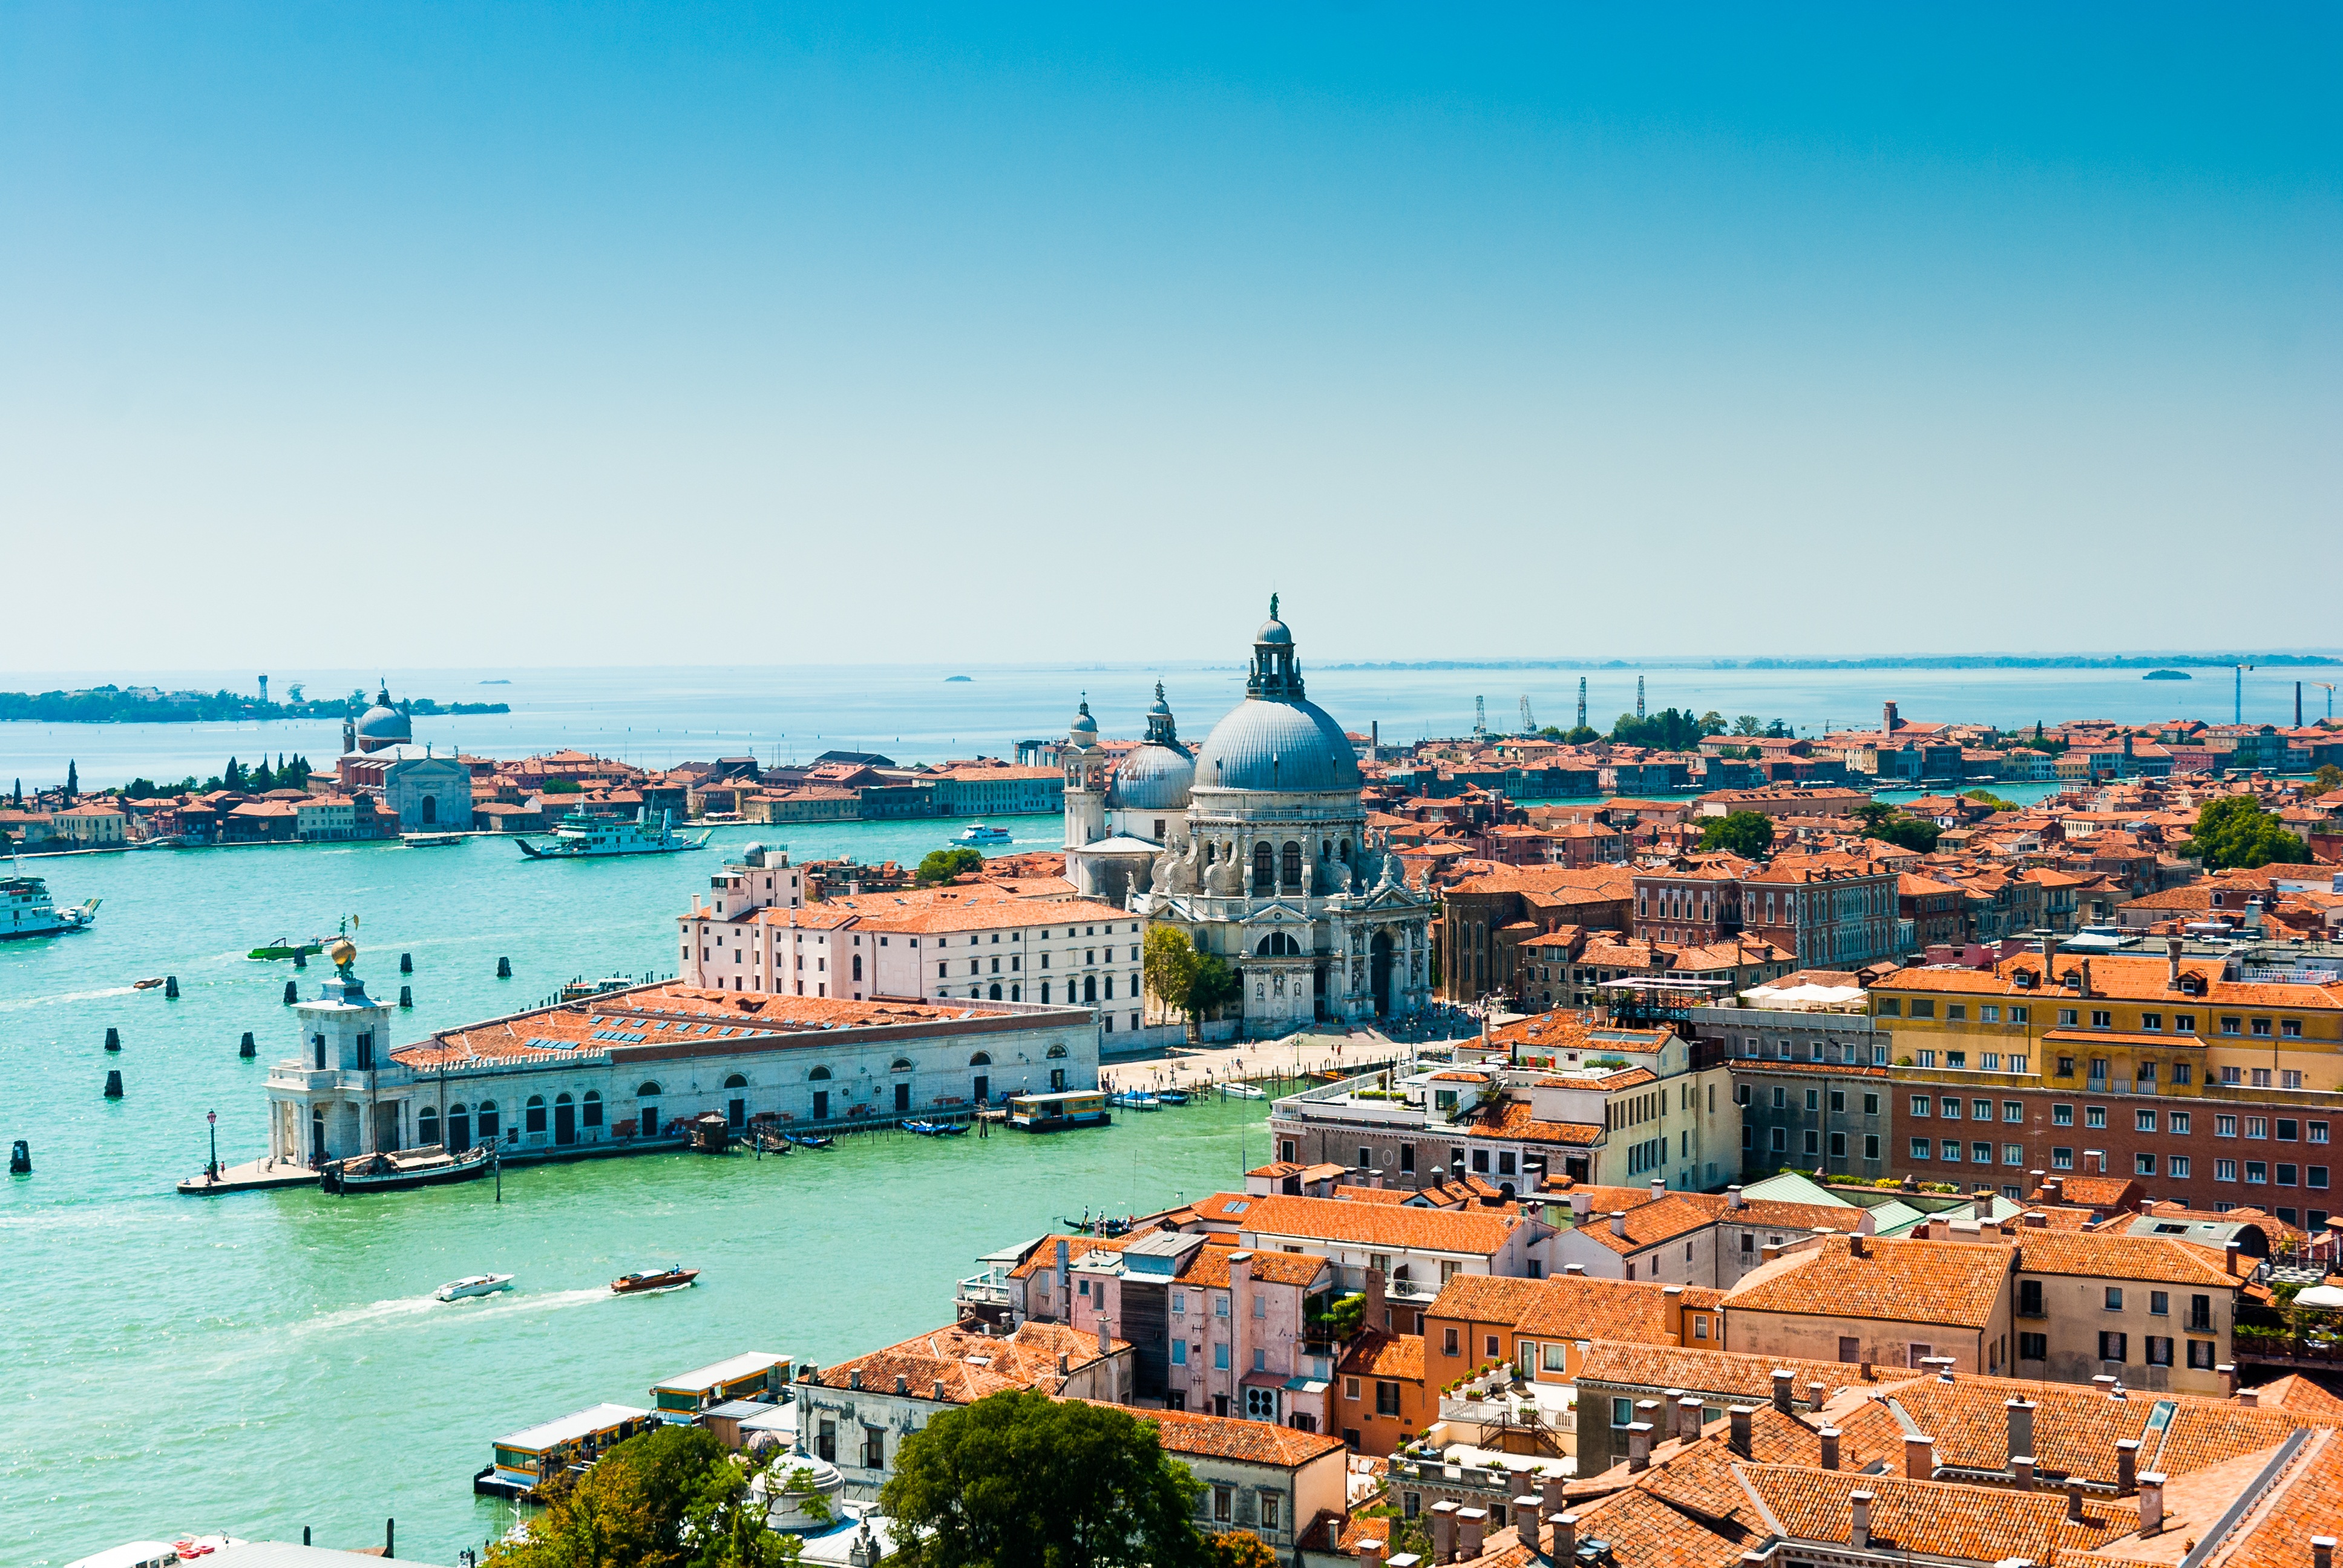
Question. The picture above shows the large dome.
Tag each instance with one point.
(1153, 779)
(384, 724)
(1269, 745)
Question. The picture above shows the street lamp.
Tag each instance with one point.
(211, 1119)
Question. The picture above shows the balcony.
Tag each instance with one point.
(982, 1290)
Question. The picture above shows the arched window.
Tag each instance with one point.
(486, 1123)
(430, 808)
(1344, 852)
(1293, 868)
(562, 1099)
(1017, 993)
(995, 993)
(738, 1081)
(1264, 869)
(648, 1091)
(533, 1114)
(820, 1075)
(981, 1058)
(901, 1064)
(593, 1109)
(426, 1125)
(1045, 993)
(1277, 945)
(1057, 1051)
(858, 966)
(1089, 987)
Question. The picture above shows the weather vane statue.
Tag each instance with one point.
(1272, 607)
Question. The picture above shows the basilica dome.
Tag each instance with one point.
(1157, 775)
(383, 725)
(1276, 740)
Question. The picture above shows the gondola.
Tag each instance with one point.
(935, 1129)
(810, 1140)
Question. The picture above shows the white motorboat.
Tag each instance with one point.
(473, 1285)
(979, 833)
(429, 841)
(1242, 1091)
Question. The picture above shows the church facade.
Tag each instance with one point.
(1256, 847)
(425, 790)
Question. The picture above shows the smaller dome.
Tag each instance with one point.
(1153, 779)
(1084, 731)
(1274, 631)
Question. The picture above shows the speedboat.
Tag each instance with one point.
(1173, 1096)
(978, 833)
(1134, 1099)
(1243, 1091)
(472, 1285)
(673, 1277)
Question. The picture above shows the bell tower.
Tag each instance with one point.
(1085, 780)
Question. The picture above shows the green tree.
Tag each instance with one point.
(563, 787)
(260, 780)
(1713, 723)
(1748, 724)
(668, 1499)
(942, 866)
(1908, 832)
(140, 788)
(1212, 988)
(1582, 735)
(1022, 1481)
(73, 778)
(2236, 831)
(233, 779)
(1168, 964)
(1747, 834)
(2326, 778)
(1987, 797)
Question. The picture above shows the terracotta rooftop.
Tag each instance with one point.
(1946, 1282)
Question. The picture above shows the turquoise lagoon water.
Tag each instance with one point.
(263, 1362)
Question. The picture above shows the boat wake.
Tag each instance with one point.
(25, 1003)
(662, 1291)
(421, 1311)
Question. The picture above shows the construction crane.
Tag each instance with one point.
(1639, 697)
(2237, 711)
(1582, 701)
(2330, 696)
(1480, 716)
(1529, 719)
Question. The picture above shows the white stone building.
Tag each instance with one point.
(1259, 852)
(425, 788)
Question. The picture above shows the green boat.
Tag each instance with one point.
(282, 949)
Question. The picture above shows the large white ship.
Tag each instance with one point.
(27, 910)
(580, 836)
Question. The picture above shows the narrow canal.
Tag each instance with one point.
(264, 1362)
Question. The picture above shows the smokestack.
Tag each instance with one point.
(1742, 1417)
(2127, 1466)
(1858, 1533)
(1639, 1445)
(1919, 1457)
(2021, 1471)
(1619, 1223)
(1659, 1188)
(2021, 1426)
(1785, 1383)
(1733, 1198)
(1829, 1435)
(1106, 1341)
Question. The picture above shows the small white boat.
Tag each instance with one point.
(978, 833)
(472, 1285)
(1242, 1091)
(429, 841)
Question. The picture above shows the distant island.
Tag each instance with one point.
(151, 705)
(1950, 661)
(949, 679)
(495, 683)
(2168, 675)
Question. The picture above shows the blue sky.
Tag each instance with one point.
(448, 335)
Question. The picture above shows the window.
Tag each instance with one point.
(1956, 1013)
(874, 1448)
(2225, 1127)
(2065, 1067)
(2285, 1177)
(2102, 1019)
(2257, 1127)
(1838, 1152)
(2095, 1116)
(2114, 1347)
(2184, 1024)
(1224, 1498)
(1269, 1500)
(2143, 1164)
(2224, 1170)
(2288, 1130)
(2012, 1111)
(2178, 1166)
(2062, 1116)
(2020, 1014)
(2315, 1176)
(2291, 1028)
(2230, 1026)
(1951, 1149)
(1871, 1151)
(2029, 1299)
(1980, 1109)
(1220, 1309)
(2062, 1160)
(1920, 1149)
(2179, 1119)
(2151, 1022)
(1922, 1104)
(1891, 1007)
(2033, 1347)
(2159, 1350)
(1220, 1358)
(1871, 1106)
(2289, 1077)
(2200, 1355)
(1951, 1108)
(1981, 1152)
(1922, 1008)
(1180, 1358)
(1814, 1100)
(2256, 1173)
(2065, 1015)
(1622, 1413)
(1448, 1343)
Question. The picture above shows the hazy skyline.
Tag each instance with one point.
(435, 335)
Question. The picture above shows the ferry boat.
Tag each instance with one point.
(429, 841)
(978, 833)
(430, 1166)
(582, 836)
(1064, 1107)
(31, 913)
(472, 1285)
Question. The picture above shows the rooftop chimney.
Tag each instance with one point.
(2229, 1371)
(1062, 1368)
(2021, 1471)
(2250, 1398)
(1554, 1489)
(1639, 1445)
(1473, 1520)
(1619, 1223)
(2021, 1426)
(1741, 1417)
(1785, 1384)
(1829, 1435)
(1919, 1457)
(1688, 1414)
(1106, 1341)
(2322, 1552)
(1855, 1247)
(1370, 1554)
(1659, 1188)
(854, 1378)
(1733, 1198)
(2075, 1498)
(2172, 963)
(1375, 1315)
(1565, 1537)
(902, 1383)
(939, 1391)
(2127, 1466)
(1574, 1268)
(2151, 1502)
(1443, 1531)
(1582, 1206)
(1525, 1520)
(1858, 1533)
(1815, 1393)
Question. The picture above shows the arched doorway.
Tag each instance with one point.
(1379, 972)
(982, 1090)
(459, 1128)
(565, 1120)
(430, 809)
(1318, 991)
(736, 1109)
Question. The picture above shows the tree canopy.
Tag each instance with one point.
(2236, 831)
(1213, 986)
(1169, 966)
(942, 865)
(1747, 834)
(1890, 825)
(671, 1498)
(1023, 1481)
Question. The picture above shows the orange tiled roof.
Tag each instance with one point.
(972, 1366)
(1466, 1232)
(2103, 1255)
(1374, 1353)
(1960, 1283)
(1730, 1374)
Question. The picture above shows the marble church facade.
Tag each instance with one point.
(1256, 847)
